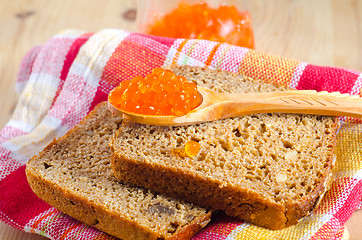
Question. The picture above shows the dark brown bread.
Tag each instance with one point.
(268, 169)
(74, 175)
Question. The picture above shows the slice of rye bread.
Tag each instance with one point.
(268, 169)
(74, 175)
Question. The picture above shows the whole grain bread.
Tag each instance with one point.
(74, 175)
(268, 169)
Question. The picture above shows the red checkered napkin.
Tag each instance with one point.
(62, 80)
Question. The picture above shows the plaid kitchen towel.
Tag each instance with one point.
(62, 80)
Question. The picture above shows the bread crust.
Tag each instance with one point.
(98, 215)
(245, 204)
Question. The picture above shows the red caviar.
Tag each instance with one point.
(192, 148)
(223, 24)
(159, 93)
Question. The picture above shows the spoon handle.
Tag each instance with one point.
(301, 101)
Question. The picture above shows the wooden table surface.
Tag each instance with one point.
(324, 32)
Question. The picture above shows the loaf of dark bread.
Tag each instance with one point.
(268, 169)
(74, 175)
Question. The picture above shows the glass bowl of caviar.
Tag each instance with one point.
(221, 21)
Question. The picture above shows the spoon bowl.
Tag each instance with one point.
(216, 106)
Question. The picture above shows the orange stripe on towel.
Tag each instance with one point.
(212, 54)
(64, 235)
(179, 49)
(37, 222)
(268, 67)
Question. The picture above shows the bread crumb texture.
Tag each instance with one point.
(265, 168)
(77, 168)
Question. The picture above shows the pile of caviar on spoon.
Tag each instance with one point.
(159, 93)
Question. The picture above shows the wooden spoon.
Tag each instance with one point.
(220, 105)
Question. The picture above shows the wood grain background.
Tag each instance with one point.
(324, 32)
